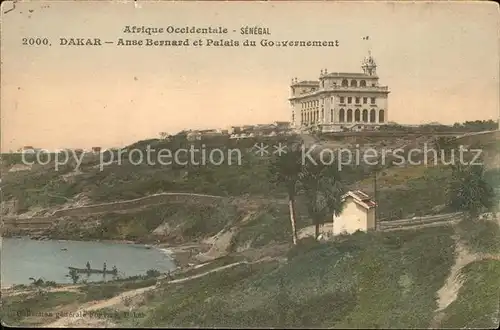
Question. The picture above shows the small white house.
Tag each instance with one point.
(358, 214)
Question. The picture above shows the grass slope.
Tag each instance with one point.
(477, 304)
(368, 280)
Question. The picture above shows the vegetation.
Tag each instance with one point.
(182, 221)
(43, 307)
(477, 125)
(477, 303)
(286, 169)
(368, 280)
(41, 283)
(74, 275)
(364, 280)
(468, 126)
(271, 224)
(34, 309)
(469, 191)
(480, 236)
(323, 191)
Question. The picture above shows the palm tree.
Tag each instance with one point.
(323, 190)
(37, 282)
(286, 170)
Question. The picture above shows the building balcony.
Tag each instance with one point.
(379, 89)
(359, 89)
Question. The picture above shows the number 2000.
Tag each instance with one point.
(35, 41)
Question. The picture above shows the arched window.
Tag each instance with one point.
(365, 116)
(349, 116)
(372, 115)
(342, 115)
(345, 83)
(362, 83)
(381, 116)
(357, 116)
(354, 83)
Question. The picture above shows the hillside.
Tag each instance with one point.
(405, 279)
(402, 192)
(233, 223)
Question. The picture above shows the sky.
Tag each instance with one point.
(440, 61)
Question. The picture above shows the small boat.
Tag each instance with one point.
(93, 271)
(64, 249)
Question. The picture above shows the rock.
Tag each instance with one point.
(162, 229)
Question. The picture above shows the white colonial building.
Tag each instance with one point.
(358, 214)
(340, 101)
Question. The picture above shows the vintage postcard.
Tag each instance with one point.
(250, 164)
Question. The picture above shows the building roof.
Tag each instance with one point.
(348, 74)
(361, 199)
(306, 83)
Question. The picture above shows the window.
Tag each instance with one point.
(349, 100)
(373, 84)
(341, 115)
(372, 116)
(381, 116)
(365, 116)
(349, 116)
(373, 100)
(365, 100)
(357, 100)
(331, 116)
(362, 83)
(357, 116)
(354, 83)
(342, 99)
(345, 83)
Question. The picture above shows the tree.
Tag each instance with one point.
(286, 170)
(323, 190)
(74, 275)
(469, 191)
(38, 284)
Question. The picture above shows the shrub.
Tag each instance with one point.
(153, 273)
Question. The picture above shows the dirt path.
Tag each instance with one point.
(448, 293)
(82, 320)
